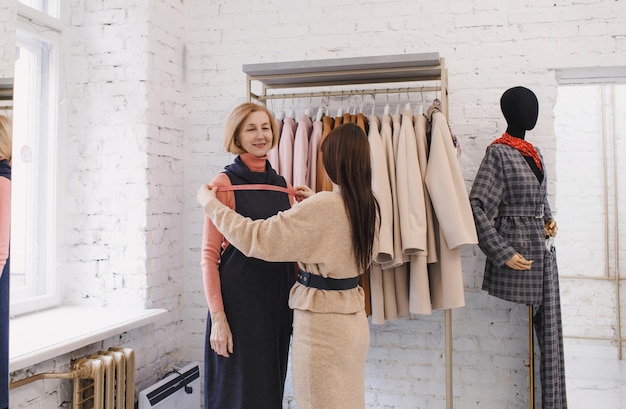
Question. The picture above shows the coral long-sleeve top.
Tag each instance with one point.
(5, 219)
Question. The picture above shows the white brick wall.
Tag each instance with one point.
(150, 84)
(8, 18)
(122, 208)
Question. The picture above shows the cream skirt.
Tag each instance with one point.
(328, 359)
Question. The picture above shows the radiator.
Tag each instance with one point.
(111, 384)
(178, 389)
(105, 380)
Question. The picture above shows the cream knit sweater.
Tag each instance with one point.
(314, 232)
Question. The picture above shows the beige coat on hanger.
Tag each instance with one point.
(395, 274)
(419, 295)
(454, 219)
(382, 190)
(411, 205)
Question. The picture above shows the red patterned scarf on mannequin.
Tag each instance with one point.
(525, 148)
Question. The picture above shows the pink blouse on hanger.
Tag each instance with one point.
(285, 148)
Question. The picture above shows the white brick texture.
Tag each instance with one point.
(149, 85)
(488, 47)
(8, 18)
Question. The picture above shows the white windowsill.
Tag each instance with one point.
(41, 336)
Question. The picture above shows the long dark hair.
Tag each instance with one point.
(346, 156)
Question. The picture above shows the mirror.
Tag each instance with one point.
(590, 129)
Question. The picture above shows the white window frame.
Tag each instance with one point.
(34, 222)
(46, 8)
(606, 79)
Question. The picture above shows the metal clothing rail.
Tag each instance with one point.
(373, 91)
(408, 68)
(6, 93)
(404, 68)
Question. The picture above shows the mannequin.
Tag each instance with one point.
(515, 230)
(520, 109)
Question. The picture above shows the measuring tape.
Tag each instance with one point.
(289, 191)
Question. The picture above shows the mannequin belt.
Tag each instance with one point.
(535, 211)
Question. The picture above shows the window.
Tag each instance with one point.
(35, 129)
(47, 7)
(590, 131)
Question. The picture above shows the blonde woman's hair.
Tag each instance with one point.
(236, 119)
(6, 137)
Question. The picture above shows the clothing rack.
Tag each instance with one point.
(375, 91)
(403, 68)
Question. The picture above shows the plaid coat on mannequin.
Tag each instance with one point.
(510, 208)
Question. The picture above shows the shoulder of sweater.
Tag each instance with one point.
(321, 200)
(327, 196)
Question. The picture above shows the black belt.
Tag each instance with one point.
(326, 283)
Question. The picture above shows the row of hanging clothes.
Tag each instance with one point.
(425, 211)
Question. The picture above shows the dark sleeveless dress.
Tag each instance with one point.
(255, 294)
(5, 171)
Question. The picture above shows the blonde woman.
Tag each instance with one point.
(6, 132)
(249, 321)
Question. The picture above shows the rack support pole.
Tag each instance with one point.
(531, 360)
(448, 325)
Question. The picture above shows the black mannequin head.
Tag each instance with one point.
(520, 108)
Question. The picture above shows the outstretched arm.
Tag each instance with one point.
(283, 237)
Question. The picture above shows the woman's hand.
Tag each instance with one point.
(302, 192)
(550, 228)
(205, 194)
(221, 338)
(518, 262)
